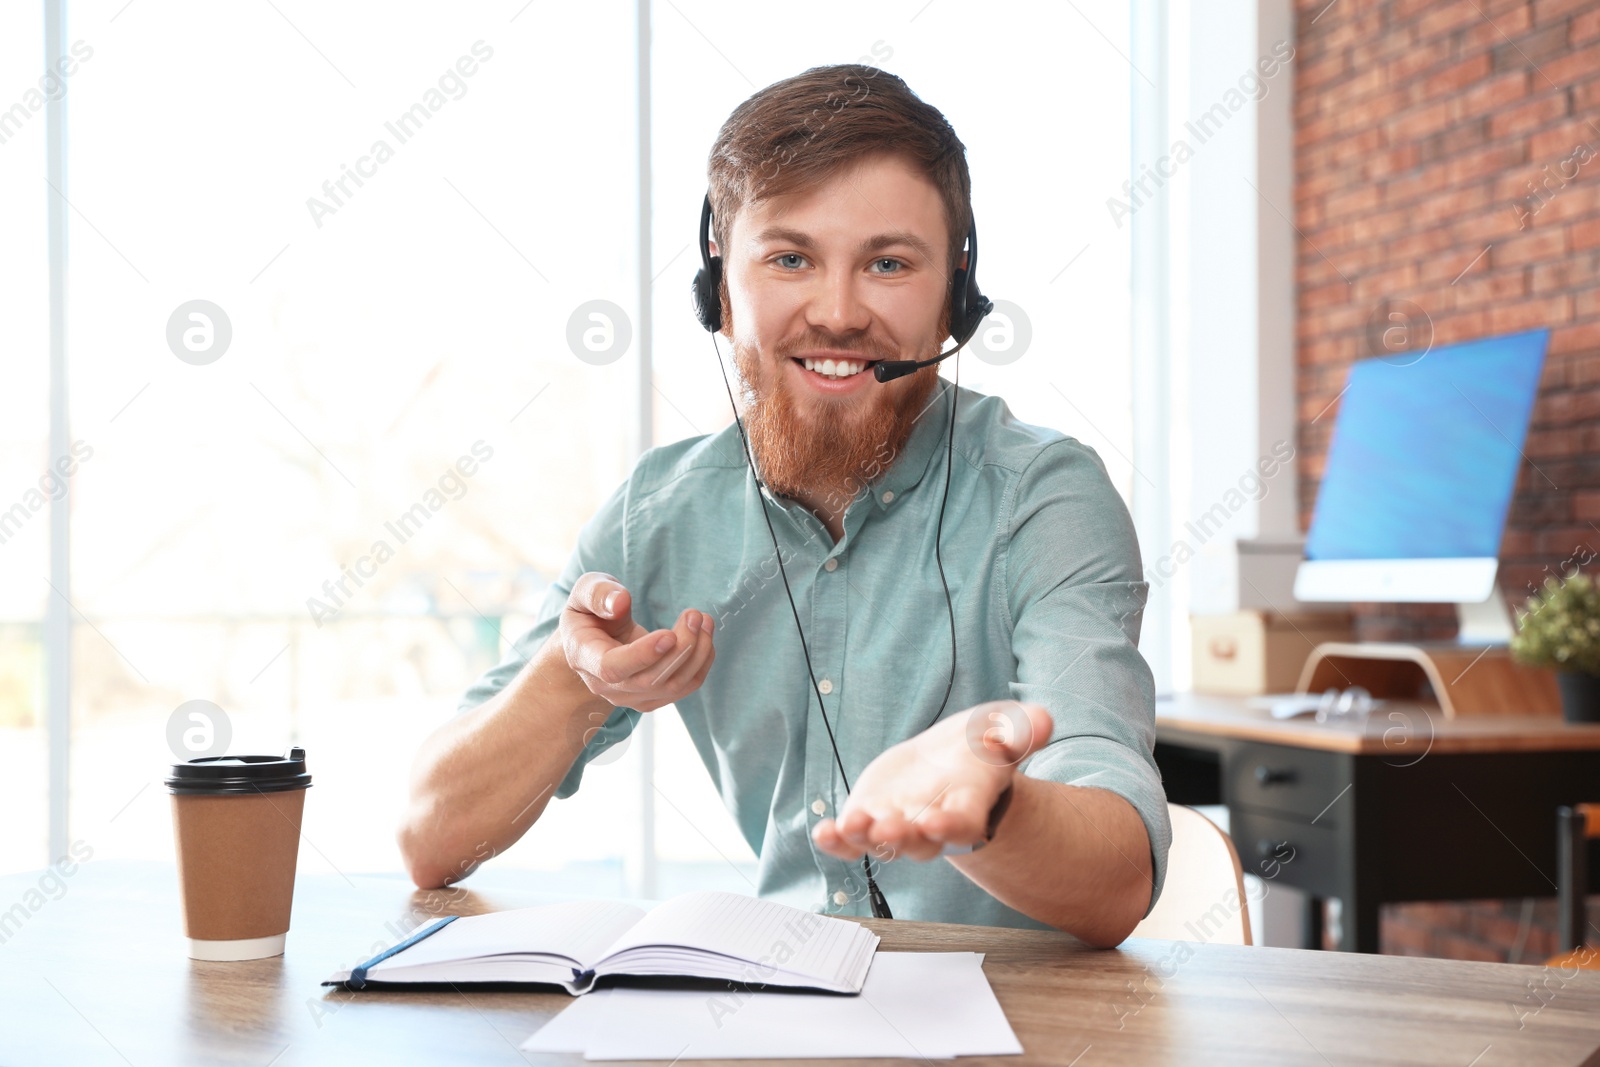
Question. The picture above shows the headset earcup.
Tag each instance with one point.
(708, 295)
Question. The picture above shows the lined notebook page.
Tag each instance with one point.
(750, 929)
(582, 930)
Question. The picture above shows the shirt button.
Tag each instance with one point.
(825, 687)
(888, 495)
(831, 565)
(841, 898)
(818, 806)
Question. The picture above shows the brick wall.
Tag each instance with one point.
(1447, 167)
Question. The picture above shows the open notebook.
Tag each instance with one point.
(718, 936)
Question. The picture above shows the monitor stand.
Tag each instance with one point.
(1486, 622)
(1472, 675)
(1462, 680)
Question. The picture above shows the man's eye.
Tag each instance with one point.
(791, 261)
(887, 266)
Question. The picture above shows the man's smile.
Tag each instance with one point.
(833, 371)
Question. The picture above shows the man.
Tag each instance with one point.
(841, 205)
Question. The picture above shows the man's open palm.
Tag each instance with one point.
(938, 787)
(622, 662)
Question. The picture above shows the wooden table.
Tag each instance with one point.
(1405, 805)
(98, 976)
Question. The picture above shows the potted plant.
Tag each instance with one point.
(1559, 628)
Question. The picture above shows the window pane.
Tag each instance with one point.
(395, 221)
(24, 438)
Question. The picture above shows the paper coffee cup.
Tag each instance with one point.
(236, 823)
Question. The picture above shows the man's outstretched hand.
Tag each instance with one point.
(938, 787)
(620, 661)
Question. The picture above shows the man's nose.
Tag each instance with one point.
(837, 306)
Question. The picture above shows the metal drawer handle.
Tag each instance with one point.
(1274, 775)
(1282, 851)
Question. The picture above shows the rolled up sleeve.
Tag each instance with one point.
(1076, 598)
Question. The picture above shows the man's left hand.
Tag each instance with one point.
(938, 787)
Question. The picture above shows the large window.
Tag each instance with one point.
(318, 254)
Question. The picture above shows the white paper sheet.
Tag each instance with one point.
(932, 1005)
(573, 1026)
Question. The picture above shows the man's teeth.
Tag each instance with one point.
(835, 368)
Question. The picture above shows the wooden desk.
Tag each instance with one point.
(99, 977)
(1405, 806)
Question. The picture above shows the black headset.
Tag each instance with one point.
(968, 307)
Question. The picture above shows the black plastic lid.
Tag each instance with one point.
(226, 775)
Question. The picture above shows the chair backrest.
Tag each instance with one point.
(1203, 898)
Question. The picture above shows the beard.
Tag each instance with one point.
(827, 454)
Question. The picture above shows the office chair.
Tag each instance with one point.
(1575, 828)
(1203, 898)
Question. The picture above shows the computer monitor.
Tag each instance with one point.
(1419, 477)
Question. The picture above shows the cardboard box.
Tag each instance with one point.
(1246, 653)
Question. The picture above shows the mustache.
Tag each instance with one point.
(868, 345)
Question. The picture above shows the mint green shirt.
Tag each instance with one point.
(1044, 573)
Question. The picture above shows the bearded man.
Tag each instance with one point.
(792, 605)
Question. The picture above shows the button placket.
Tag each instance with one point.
(825, 635)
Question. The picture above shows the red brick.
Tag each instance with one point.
(1560, 142)
(1586, 234)
(1319, 71)
(1479, 290)
(1420, 244)
(1540, 111)
(1426, 180)
(1531, 49)
(1450, 205)
(1484, 162)
(1577, 65)
(1493, 31)
(1396, 281)
(1571, 203)
(1439, 19)
(1416, 60)
(1585, 27)
(1530, 314)
(1586, 505)
(1457, 75)
(1530, 247)
(1419, 122)
(1552, 10)
(1571, 272)
(1497, 221)
(1495, 92)
(1584, 338)
(1586, 96)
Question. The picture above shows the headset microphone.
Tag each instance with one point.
(968, 306)
(890, 369)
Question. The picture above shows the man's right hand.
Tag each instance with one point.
(621, 662)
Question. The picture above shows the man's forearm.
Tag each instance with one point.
(1076, 858)
(484, 777)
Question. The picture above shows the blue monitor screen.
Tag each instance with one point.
(1425, 454)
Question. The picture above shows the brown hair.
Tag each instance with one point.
(805, 129)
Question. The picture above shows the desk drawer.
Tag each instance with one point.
(1298, 782)
(1282, 850)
